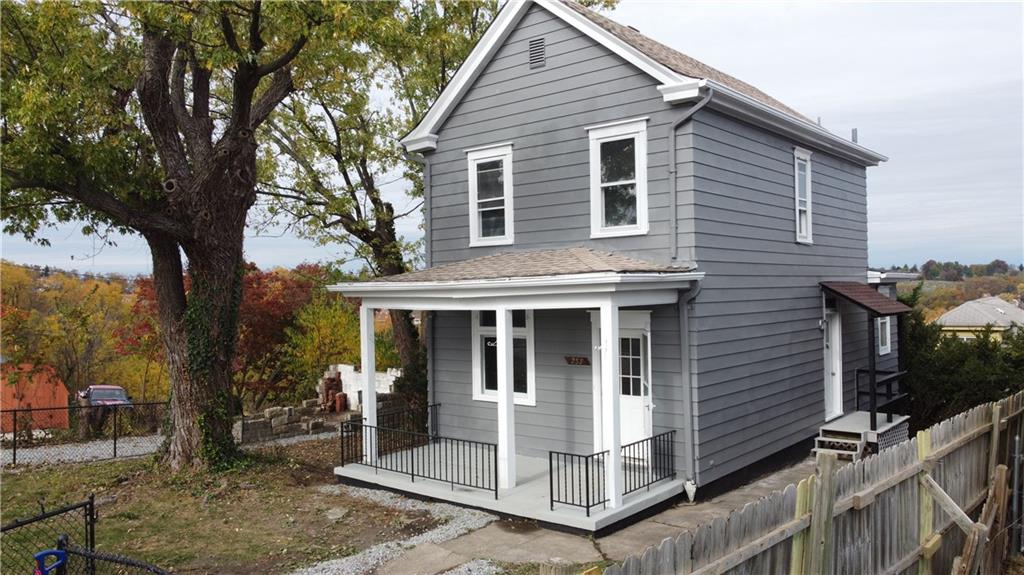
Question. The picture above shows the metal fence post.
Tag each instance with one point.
(14, 436)
(116, 409)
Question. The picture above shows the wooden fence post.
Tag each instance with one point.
(925, 503)
(819, 544)
(993, 450)
(803, 505)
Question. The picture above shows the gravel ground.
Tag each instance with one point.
(456, 521)
(126, 447)
(87, 451)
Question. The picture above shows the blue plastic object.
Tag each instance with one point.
(60, 558)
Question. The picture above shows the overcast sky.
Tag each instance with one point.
(937, 87)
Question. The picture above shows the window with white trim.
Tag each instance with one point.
(882, 326)
(802, 194)
(490, 196)
(485, 356)
(618, 179)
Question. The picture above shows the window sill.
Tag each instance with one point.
(884, 353)
(493, 398)
(805, 242)
(617, 233)
(482, 243)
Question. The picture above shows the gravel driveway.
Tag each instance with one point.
(126, 447)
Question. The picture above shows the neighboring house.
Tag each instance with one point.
(643, 275)
(969, 318)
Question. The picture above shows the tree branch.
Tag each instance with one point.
(280, 87)
(155, 100)
(229, 33)
(256, 43)
(284, 59)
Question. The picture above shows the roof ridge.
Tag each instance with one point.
(678, 61)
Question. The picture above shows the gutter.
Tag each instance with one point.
(689, 385)
(673, 168)
(746, 108)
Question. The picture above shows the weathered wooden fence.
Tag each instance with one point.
(913, 508)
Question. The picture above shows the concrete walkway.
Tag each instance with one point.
(519, 542)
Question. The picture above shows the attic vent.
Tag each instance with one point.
(537, 55)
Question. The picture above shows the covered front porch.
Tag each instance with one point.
(586, 483)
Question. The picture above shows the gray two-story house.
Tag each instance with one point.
(643, 275)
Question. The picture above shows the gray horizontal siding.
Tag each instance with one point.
(543, 112)
(562, 420)
(758, 348)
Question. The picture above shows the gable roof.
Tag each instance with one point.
(981, 312)
(677, 60)
(866, 297)
(534, 263)
(682, 78)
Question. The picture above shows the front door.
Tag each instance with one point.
(833, 364)
(634, 385)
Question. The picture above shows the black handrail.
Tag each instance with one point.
(461, 462)
(577, 480)
(648, 461)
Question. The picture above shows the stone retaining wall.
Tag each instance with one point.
(279, 422)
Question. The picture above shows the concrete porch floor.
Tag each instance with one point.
(529, 499)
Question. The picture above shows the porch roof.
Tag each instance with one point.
(562, 272)
(535, 263)
(866, 297)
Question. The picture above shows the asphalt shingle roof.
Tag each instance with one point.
(866, 297)
(521, 264)
(981, 312)
(678, 61)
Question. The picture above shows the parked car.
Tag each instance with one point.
(104, 395)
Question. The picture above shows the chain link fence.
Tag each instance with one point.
(77, 433)
(67, 537)
(20, 540)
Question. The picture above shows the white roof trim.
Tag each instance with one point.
(596, 282)
(422, 137)
(675, 87)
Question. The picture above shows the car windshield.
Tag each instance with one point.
(107, 394)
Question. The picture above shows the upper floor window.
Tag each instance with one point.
(802, 194)
(485, 356)
(490, 196)
(618, 179)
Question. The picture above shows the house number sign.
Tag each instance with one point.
(577, 360)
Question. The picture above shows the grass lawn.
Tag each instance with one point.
(265, 518)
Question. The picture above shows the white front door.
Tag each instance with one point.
(634, 385)
(833, 364)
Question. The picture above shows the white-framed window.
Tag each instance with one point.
(802, 194)
(618, 179)
(882, 325)
(490, 195)
(485, 357)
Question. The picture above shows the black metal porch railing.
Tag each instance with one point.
(648, 461)
(459, 462)
(416, 419)
(577, 480)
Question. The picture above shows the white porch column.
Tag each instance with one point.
(506, 401)
(367, 363)
(595, 372)
(611, 423)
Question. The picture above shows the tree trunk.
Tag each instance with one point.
(199, 330)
